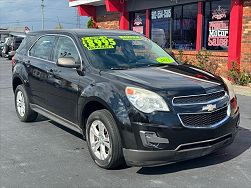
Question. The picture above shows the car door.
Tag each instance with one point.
(62, 89)
(37, 62)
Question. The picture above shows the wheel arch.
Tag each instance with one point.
(16, 81)
(91, 105)
(106, 96)
(120, 116)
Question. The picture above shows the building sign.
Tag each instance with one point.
(138, 29)
(219, 13)
(218, 29)
(26, 29)
(218, 33)
(159, 14)
(137, 21)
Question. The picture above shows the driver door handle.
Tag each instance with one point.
(49, 70)
(27, 63)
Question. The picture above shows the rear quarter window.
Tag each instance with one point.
(25, 44)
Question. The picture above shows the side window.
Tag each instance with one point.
(22, 45)
(43, 47)
(66, 48)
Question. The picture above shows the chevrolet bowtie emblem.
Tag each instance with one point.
(209, 107)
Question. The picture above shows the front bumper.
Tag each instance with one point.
(173, 142)
(181, 153)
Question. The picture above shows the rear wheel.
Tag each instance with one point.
(24, 112)
(103, 140)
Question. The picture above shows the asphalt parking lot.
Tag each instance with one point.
(44, 154)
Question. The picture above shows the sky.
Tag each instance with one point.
(21, 13)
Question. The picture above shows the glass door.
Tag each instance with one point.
(161, 26)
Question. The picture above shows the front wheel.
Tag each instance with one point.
(103, 140)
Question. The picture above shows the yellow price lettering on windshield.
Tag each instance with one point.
(130, 37)
(165, 60)
(98, 42)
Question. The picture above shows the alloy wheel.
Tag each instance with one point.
(20, 103)
(99, 140)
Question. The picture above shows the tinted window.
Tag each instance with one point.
(184, 27)
(22, 45)
(43, 47)
(26, 43)
(66, 48)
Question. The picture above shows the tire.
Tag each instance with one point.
(113, 156)
(22, 105)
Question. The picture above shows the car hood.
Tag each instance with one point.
(174, 79)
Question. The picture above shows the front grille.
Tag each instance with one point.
(198, 99)
(203, 120)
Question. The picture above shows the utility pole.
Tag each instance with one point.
(42, 11)
(59, 24)
(78, 19)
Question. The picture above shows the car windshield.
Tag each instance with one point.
(124, 52)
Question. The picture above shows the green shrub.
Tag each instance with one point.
(180, 57)
(239, 77)
(206, 63)
(90, 23)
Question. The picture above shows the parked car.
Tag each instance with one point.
(14, 46)
(6, 46)
(1, 47)
(128, 97)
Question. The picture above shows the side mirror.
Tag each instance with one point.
(68, 62)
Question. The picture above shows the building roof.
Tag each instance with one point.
(87, 32)
(73, 3)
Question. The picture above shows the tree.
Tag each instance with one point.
(59, 26)
(90, 23)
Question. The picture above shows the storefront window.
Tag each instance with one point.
(175, 27)
(184, 26)
(138, 22)
(216, 25)
(161, 26)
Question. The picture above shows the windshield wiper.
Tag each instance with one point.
(119, 68)
(157, 65)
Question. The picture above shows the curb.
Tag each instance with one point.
(242, 90)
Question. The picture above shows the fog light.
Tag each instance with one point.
(151, 139)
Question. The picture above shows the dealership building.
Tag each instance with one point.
(221, 26)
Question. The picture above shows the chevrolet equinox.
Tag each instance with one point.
(131, 100)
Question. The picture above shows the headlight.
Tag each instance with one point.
(145, 101)
(229, 87)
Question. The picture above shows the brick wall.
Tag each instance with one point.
(221, 58)
(246, 36)
(108, 21)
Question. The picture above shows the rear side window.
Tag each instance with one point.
(26, 43)
(22, 45)
(43, 47)
(66, 48)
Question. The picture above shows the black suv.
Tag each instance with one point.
(132, 101)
